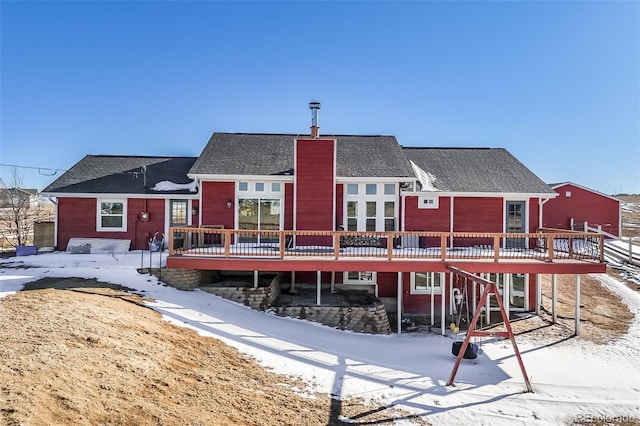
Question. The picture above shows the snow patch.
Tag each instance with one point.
(425, 178)
(167, 185)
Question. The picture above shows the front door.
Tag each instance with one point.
(515, 223)
(178, 216)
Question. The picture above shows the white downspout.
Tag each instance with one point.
(541, 203)
(451, 220)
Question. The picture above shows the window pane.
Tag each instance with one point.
(275, 187)
(352, 209)
(371, 189)
(111, 208)
(371, 209)
(352, 224)
(421, 280)
(111, 221)
(353, 275)
(371, 224)
(389, 188)
(178, 213)
(259, 186)
(389, 209)
(352, 188)
(389, 224)
(366, 276)
(243, 186)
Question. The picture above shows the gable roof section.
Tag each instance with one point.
(556, 186)
(273, 154)
(476, 170)
(109, 174)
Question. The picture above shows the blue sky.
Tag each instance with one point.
(555, 83)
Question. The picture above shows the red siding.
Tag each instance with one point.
(77, 218)
(214, 203)
(420, 304)
(534, 215)
(141, 232)
(478, 215)
(435, 220)
(314, 174)
(288, 206)
(583, 206)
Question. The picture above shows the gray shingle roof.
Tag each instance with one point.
(272, 154)
(476, 170)
(112, 174)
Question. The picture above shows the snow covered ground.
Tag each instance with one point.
(572, 380)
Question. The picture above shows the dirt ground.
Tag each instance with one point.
(92, 355)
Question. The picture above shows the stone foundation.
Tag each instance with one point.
(360, 319)
(259, 298)
(185, 279)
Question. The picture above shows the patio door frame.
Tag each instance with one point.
(524, 225)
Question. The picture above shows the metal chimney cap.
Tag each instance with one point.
(314, 105)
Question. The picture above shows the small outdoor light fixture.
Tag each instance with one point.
(229, 203)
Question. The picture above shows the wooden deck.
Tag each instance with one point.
(227, 249)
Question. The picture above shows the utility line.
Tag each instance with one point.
(39, 169)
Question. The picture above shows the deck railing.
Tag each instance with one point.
(547, 244)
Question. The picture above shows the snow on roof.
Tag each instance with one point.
(426, 179)
(167, 185)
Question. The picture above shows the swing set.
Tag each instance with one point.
(466, 349)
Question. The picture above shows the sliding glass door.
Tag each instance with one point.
(258, 214)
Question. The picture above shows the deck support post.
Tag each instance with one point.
(399, 307)
(255, 279)
(577, 304)
(333, 282)
(318, 286)
(442, 305)
(538, 293)
(293, 282)
(554, 298)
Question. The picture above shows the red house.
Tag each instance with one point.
(348, 211)
(577, 206)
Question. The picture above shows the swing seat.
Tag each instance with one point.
(470, 353)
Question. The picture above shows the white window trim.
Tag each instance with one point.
(99, 227)
(431, 289)
(434, 204)
(372, 281)
(379, 198)
(266, 193)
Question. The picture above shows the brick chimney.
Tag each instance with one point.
(315, 130)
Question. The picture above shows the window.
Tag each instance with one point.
(427, 202)
(352, 216)
(371, 189)
(359, 277)
(426, 282)
(259, 208)
(389, 189)
(371, 215)
(112, 215)
(389, 216)
(370, 207)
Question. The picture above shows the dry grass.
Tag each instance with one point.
(96, 356)
(631, 218)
